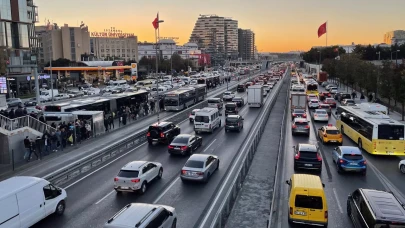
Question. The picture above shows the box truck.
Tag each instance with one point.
(255, 96)
(26, 200)
(322, 77)
(298, 100)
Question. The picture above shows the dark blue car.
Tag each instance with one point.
(349, 159)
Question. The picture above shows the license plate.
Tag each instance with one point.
(309, 165)
(154, 139)
(353, 163)
(390, 152)
(177, 148)
(299, 213)
(124, 188)
(332, 140)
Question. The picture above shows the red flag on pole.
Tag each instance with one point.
(322, 30)
(155, 22)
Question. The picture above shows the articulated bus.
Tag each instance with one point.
(373, 131)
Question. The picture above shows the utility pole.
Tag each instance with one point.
(157, 62)
(378, 74)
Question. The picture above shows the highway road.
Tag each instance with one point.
(382, 174)
(92, 200)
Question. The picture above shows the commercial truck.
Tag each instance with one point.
(298, 100)
(255, 96)
(322, 77)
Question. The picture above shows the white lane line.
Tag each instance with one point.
(105, 197)
(102, 167)
(210, 145)
(166, 190)
(337, 200)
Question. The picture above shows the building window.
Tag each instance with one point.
(5, 9)
(123, 55)
(23, 36)
(118, 50)
(123, 50)
(107, 50)
(134, 51)
(102, 50)
(128, 50)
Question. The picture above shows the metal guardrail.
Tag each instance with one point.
(24, 121)
(91, 161)
(238, 175)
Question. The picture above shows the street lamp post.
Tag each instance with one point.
(378, 74)
(396, 55)
(157, 69)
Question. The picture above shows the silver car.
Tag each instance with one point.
(199, 167)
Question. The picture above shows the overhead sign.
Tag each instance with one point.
(111, 34)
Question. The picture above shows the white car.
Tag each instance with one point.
(401, 166)
(321, 115)
(228, 96)
(193, 82)
(313, 103)
(311, 97)
(61, 96)
(136, 176)
(192, 115)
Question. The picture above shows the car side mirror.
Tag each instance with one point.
(287, 182)
(323, 185)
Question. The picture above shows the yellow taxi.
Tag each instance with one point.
(307, 201)
(330, 134)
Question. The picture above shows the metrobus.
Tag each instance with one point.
(200, 92)
(179, 99)
(372, 130)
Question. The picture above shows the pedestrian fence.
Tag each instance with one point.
(24, 121)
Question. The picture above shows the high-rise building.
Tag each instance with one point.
(65, 42)
(18, 44)
(216, 36)
(395, 37)
(246, 46)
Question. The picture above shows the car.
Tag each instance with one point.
(185, 144)
(307, 156)
(192, 115)
(298, 113)
(239, 101)
(375, 208)
(163, 132)
(247, 84)
(266, 88)
(348, 102)
(271, 85)
(233, 123)
(73, 94)
(312, 97)
(227, 96)
(321, 115)
(14, 102)
(136, 176)
(193, 82)
(341, 96)
(330, 85)
(215, 103)
(326, 107)
(349, 159)
(199, 167)
(333, 90)
(324, 84)
(231, 108)
(33, 102)
(331, 102)
(330, 134)
(401, 166)
(142, 215)
(241, 88)
(324, 95)
(61, 96)
(300, 126)
(313, 103)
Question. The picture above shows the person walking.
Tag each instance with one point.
(47, 144)
(27, 145)
(54, 142)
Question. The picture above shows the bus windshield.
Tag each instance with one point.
(171, 101)
(312, 87)
(391, 132)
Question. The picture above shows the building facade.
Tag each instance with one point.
(167, 48)
(216, 36)
(113, 44)
(395, 37)
(65, 42)
(246, 46)
(18, 45)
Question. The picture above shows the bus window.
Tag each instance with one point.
(391, 132)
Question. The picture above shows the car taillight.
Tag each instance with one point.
(291, 210)
(340, 136)
(341, 161)
(184, 147)
(304, 115)
(326, 214)
(116, 179)
(364, 162)
(315, 115)
(148, 134)
(200, 173)
(307, 126)
(294, 126)
(294, 114)
(135, 180)
(318, 156)
(170, 147)
(162, 135)
(183, 171)
(297, 156)
(325, 135)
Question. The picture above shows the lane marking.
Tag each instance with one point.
(102, 167)
(337, 200)
(209, 145)
(105, 197)
(219, 193)
(166, 190)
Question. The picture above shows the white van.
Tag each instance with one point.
(207, 120)
(215, 103)
(119, 83)
(25, 201)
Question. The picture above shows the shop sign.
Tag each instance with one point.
(111, 34)
(134, 69)
(45, 76)
(3, 85)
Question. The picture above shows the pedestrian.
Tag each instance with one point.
(353, 95)
(106, 123)
(38, 147)
(54, 142)
(33, 150)
(27, 145)
(63, 135)
(42, 119)
(88, 130)
(59, 137)
(11, 114)
(47, 144)
(25, 112)
(111, 122)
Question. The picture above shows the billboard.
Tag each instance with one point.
(204, 59)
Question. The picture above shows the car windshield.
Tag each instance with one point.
(312, 101)
(332, 132)
(299, 111)
(231, 119)
(330, 100)
(301, 123)
(312, 202)
(214, 101)
(353, 156)
(320, 112)
(180, 140)
(194, 164)
(204, 119)
(128, 173)
(227, 93)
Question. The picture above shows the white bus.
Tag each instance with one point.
(207, 120)
(179, 99)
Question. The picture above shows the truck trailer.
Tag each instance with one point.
(255, 96)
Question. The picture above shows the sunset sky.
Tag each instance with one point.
(280, 26)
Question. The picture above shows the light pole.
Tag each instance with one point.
(157, 68)
(378, 73)
(396, 60)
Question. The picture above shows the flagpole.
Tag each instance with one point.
(157, 76)
(326, 33)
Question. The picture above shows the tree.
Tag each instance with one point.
(61, 62)
(385, 81)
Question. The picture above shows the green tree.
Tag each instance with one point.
(385, 81)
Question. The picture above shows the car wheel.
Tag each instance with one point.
(143, 188)
(348, 210)
(342, 130)
(191, 151)
(338, 168)
(220, 123)
(402, 168)
(363, 173)
(160, 173)
(60, 208)
(150, 142)
(217, 166)
(207, 177)
(174, 223)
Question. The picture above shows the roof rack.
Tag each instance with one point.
(145, 217)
